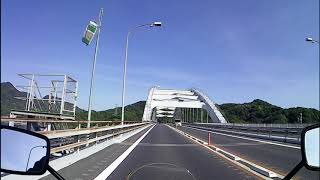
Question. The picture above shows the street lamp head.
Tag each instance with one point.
(309, 39)
(157, 23)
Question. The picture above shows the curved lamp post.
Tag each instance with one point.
(154, 24)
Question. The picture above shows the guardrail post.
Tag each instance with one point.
(49, 127)
(88, 138)
(96, 138)
(209, 138)
(269, 132)
(286, 134)
(11, 123)
(29, 126)
(78, 149)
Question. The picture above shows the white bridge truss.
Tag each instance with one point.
(165, 102)
(48, 95)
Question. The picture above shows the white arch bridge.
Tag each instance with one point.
(187, 105)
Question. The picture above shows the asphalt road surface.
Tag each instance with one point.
(280, 159)
(92, 166)
(166, 154)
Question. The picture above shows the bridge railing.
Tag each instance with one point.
(259, 125)
(289, 133)
(75, 137)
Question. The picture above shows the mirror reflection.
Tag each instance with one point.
(22, 152)
(312, 147)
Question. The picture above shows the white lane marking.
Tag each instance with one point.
(266, 142)
(106, 173)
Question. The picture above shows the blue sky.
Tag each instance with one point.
(235, 51)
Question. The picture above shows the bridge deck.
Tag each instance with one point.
(165, 154)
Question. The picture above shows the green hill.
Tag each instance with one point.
(8, 100)
(133, 112)
(259, 111)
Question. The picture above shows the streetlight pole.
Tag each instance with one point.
(94, 67)
(154, 24)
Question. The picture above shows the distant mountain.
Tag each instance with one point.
(8, 100)
(133, 112)
(259, 111)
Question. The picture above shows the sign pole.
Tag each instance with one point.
(94, 67)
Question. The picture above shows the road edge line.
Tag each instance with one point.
(245, 164)
(106, 173)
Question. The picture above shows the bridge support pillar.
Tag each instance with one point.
(182, 115)
(201, 115)
(197, 114)
(192, 115)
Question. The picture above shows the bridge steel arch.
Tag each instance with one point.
(163, 103)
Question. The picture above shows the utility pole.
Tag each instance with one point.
(300, 118)
(116, 110)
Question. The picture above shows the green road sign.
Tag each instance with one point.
(90, 32)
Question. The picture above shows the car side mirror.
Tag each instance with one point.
(309, 150)
(23, 152)
(310, 147)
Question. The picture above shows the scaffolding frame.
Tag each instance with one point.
(60, 100)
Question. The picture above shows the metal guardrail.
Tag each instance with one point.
(76, 132)
(76, 138)
(95, 140)
(257, 125)
(289, 133)
(48, 123)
